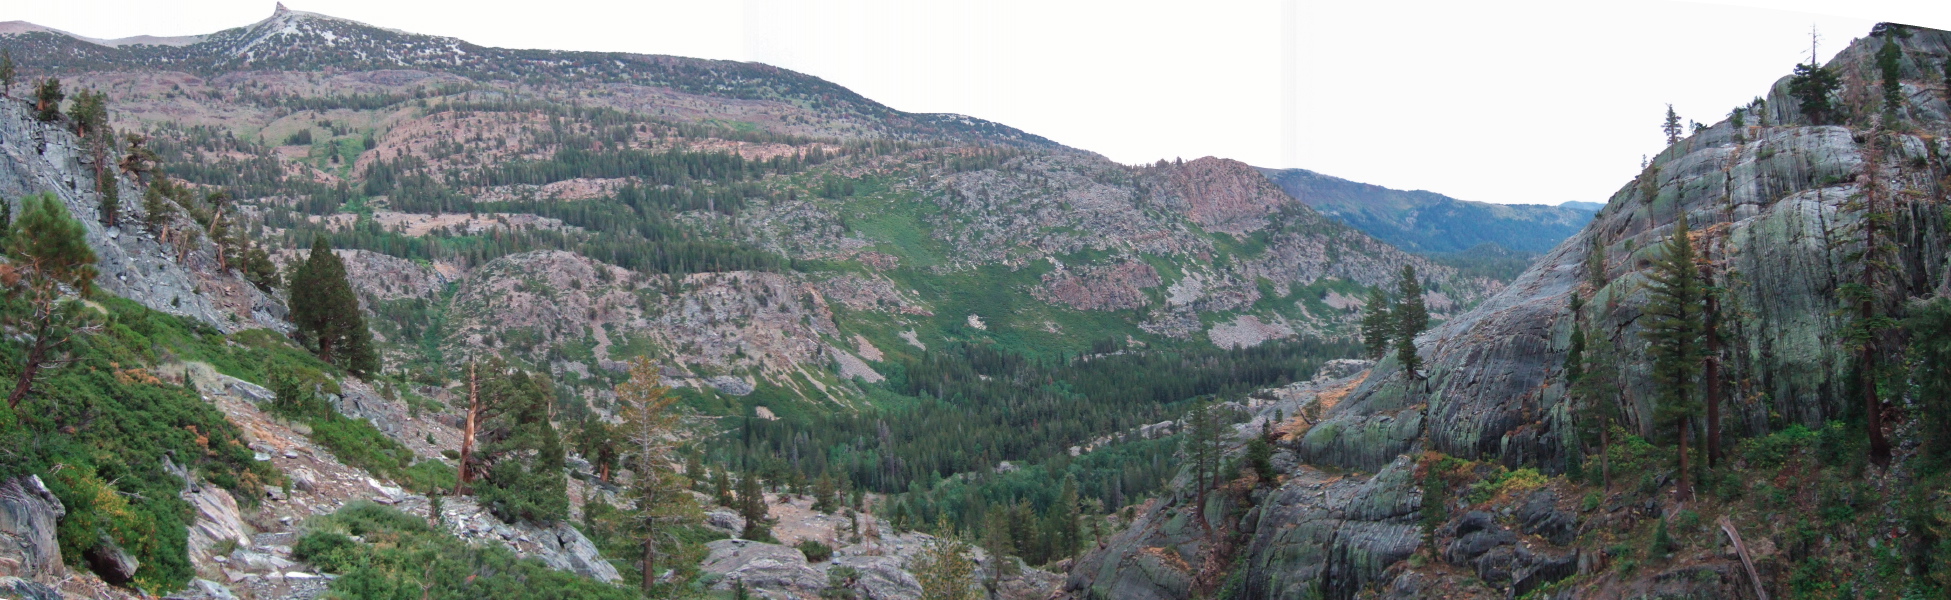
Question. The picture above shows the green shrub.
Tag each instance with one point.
(406, 558)
(99, 431)
(1662, 542)
(329, 551)
(815, 551)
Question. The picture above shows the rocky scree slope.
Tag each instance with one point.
(1771, 209)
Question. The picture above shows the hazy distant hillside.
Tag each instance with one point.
(1420, 221)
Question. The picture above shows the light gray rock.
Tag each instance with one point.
(203, 589)
(881, 577)
(731, 385)
(725, 520)
(29, 513)
(762, 567)
(216, 522)
(15, 587)
(38, 157)
(564, 548)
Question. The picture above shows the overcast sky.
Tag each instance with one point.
(1527, 102)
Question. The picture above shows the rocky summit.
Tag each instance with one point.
(312, 308)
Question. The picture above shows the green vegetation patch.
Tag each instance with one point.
(400, 556)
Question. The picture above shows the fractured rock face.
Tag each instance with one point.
(564, 548)
(762, 567)
(217, 521)
(29, 513)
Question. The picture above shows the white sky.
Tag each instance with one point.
(1507, 101)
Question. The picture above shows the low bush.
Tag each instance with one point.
(403, 557)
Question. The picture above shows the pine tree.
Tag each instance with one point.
(721, 489)
(88, 112)
(598, 442)
(1929, 325)
(111, 195)
(1811, 86)
(1065, 516)
(520, 454)
(1203, 450)
(50, 259)
(7, 73)
(946, 571)
(1674, 331)
(752, 505)
(1377, 324)
(156, 210)
(996, 532)
(1889, 61)
(653, 425)
(1411, 318)
(327, 313)
(47, 100)
(1575, 353)
(1671, 127)
(1864, 296)
(1597, 400)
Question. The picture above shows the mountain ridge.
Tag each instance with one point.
(1425, 221)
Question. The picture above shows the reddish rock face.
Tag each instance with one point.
(1111, 287)
(1225, 195)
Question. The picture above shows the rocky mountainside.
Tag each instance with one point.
(1428, 222)
(460, 160)
(795, 258)
(1468, 483)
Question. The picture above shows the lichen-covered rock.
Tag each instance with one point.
(216, 524)
(29, 513)
(564, 548)
(1769, 208)
(1333, 535)
(763, 568)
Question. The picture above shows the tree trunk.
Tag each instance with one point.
(650, 550)
(1872, 407)
(1713, 380)
(35, 355)
(1605, 454)
(1685, 487)
(467, 432)
(325, 346)
(603, 472)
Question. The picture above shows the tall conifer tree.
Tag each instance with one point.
(1674, 330)
(1411, 318)
(1377, 324)
(326, 312)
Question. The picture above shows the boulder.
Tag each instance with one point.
(28, 516)
(881, 577)
(15, 587)
(108, 560)
(725, 520)
(216, 523)
(566, 549)
(1541, 517)
(203, 589)
(763, 567)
